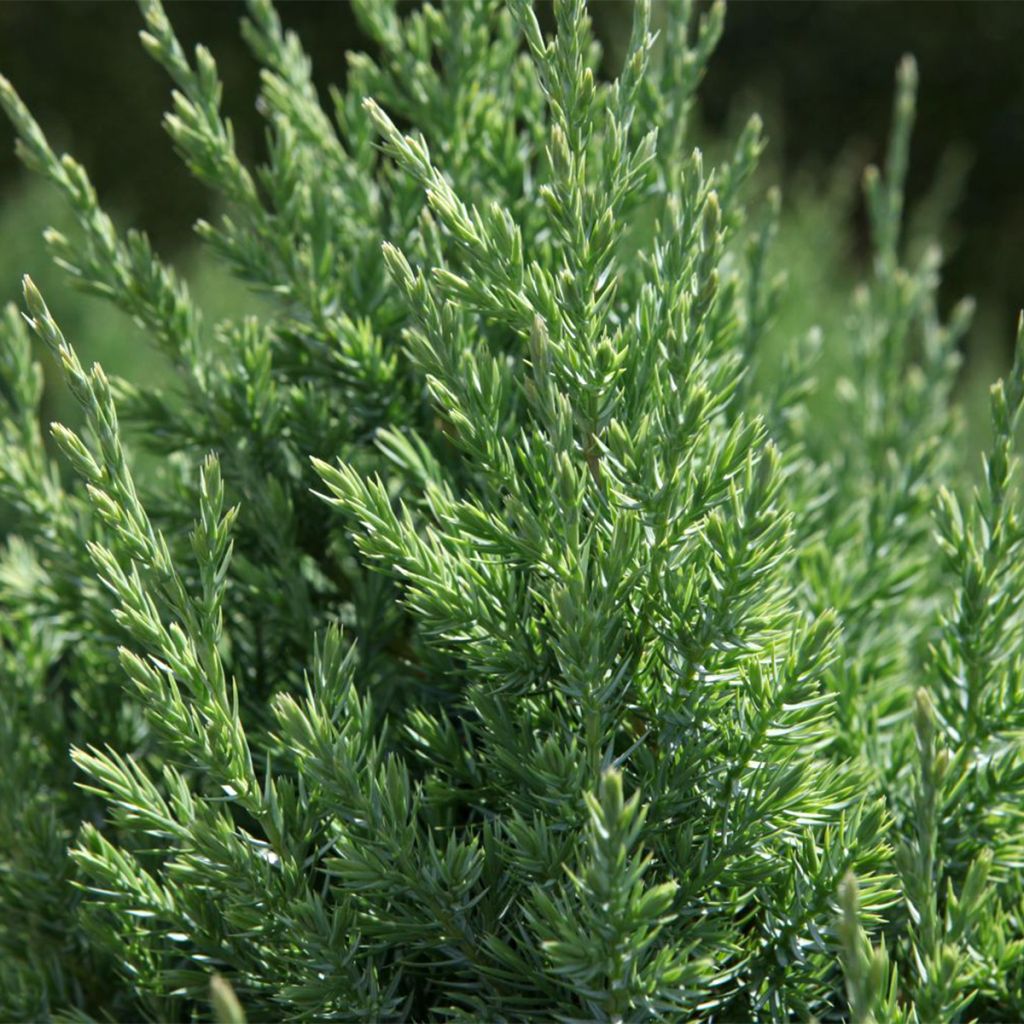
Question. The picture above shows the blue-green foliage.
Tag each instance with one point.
(500, 630)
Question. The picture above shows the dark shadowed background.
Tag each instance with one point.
(821, 73)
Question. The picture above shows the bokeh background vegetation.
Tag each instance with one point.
(820, 72)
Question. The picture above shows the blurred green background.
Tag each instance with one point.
(821, 73)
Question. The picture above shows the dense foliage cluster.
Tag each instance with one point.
(489, 632)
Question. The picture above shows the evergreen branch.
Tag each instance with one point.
(125, 271)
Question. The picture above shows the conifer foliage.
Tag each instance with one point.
(487, 632)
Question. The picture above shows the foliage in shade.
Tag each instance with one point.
(495, 635)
